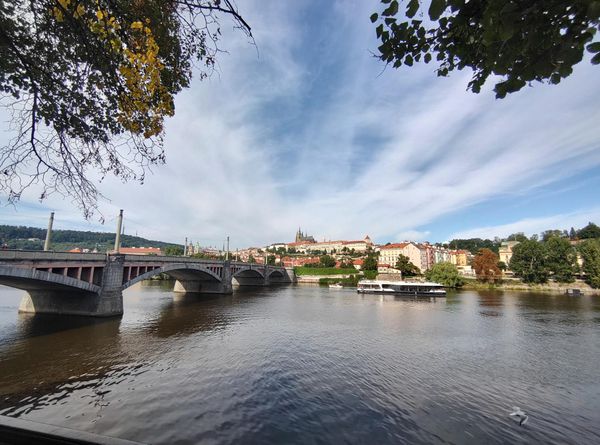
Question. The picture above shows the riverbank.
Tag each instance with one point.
(314, 279)
(516, 285)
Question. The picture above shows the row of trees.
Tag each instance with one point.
(535, 261)
(474, 245)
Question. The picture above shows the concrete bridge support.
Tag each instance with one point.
(45, 298)
(251, 277)
(195, 282)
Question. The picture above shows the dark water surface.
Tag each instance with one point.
(310, 365)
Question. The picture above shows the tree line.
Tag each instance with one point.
(32, 238)
(473, 245)
(552, 256)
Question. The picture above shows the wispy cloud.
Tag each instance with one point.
(311, 132)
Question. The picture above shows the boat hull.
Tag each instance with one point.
(402, 292)
(401, 288)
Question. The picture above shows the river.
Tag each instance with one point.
(304, 365)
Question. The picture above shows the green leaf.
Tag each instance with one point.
(594, 47)
(412, 8)
(392, 9)
(379, 30)
(596, 59)
(408, 60)
(427, 58)
(436, 9)
(374, 17)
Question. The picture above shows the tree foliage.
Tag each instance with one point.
(370, 263)
(90, 83)
(407, 268)
(589, 231)
(173, 251)
(517, 41)
(446, 274)
(561, 259)
(474, 244)
(485, 264)
(554, 233)
(327, 261)
(528, 262)
(590, 254)
(519, 236)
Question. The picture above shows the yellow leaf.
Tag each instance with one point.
(79, 11)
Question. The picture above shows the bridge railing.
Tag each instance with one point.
(8, 255)
(39, 255)
(255, 265)
(169, 259)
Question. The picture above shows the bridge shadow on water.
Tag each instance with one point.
(34, 325)
(52, 356)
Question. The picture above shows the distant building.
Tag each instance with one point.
(277, 246)
(505, 251)
(299, 261)
(303, 238)
(337, 246)
(387, 269)
(388, 255)
(140, 251)
(358, 263)
(460, 258)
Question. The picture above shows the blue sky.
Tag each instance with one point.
(309, 129)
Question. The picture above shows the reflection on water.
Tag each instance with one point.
(310, 364)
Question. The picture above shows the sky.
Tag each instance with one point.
(306, 128)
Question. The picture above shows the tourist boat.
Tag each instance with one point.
(574, 292)
(401, 288)
(336, 286)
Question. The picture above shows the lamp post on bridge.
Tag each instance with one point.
(118, 237)
(49, 232)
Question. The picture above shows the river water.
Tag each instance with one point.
(306, 365)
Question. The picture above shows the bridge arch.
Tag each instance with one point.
(179, 272)
(31, 280)
(249, 272)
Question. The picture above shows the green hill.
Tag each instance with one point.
(32, 238)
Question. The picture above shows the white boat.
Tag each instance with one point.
(336, 286)
(400, 288)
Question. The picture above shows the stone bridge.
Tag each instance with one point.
(93, 283)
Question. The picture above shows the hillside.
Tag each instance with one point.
(32, 238)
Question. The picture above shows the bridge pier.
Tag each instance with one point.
(205, 286)
(107, 302)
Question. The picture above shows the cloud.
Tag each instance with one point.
(308, 129)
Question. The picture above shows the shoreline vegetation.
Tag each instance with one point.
(321, 271)
(549, 287)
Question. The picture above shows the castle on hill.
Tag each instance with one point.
(303, 238)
